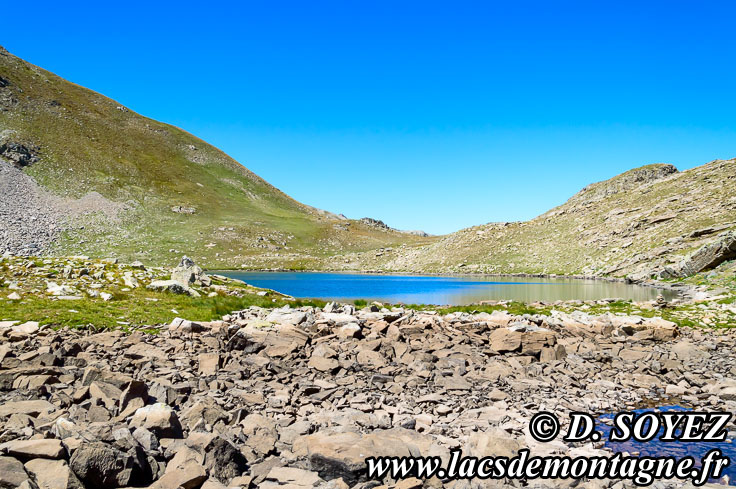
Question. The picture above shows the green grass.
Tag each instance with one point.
(515, 308)
(137, 308)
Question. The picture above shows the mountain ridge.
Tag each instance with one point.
(635, 225)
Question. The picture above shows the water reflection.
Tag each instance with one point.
(677, 449)
(441, 290)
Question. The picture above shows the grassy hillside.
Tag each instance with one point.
(88, 144)
(631, 225)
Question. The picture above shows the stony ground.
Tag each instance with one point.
(298, 397)
(30, 219)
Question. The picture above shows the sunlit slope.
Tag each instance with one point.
(88, 143)
(630, 225)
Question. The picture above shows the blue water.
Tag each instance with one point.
(677, 449)
(440, 290)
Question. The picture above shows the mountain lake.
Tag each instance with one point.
(442, 290)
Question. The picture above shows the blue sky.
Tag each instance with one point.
(428, 115)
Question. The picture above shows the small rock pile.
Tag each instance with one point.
(298, 398)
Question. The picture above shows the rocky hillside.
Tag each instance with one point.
(80, 173)
(645, 222)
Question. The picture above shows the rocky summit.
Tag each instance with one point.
(298, 397)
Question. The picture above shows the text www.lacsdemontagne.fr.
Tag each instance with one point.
(642, 471)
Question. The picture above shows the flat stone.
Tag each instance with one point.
(31, 408)
(34, 448)
(53, 474)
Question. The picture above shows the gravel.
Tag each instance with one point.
(30, 218)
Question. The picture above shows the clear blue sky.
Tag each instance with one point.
(428, 115)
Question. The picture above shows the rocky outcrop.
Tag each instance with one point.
(183, 277)
(626, 182)
(376, 223)
(18, 154)
(707, 257)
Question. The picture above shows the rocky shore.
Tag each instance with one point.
(298, 397)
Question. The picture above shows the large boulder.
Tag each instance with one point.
(159, 419)
(334, 455)
(187, 273)
(100, 465)
(223, 460)
(27, 449)
(525, 338)
(172, 286)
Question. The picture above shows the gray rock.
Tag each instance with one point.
(100, 465)
(158, 418)
(12, 473)
(187, 273)
(172, 286)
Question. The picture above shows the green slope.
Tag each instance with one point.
(89, 143)
(631, 225)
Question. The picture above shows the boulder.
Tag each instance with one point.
(53, 474)
(100, 465)
(27, 449)
(323, 364)
(185, 470)
(260, 432)
(286, 316)
(172, 286)
(526, 338)
(185, 326)
(223, 460)
(334, 455)
(187, 273)
(206, 410)
(159, 419)
(12, 473)
(31, 408)
(705, 258)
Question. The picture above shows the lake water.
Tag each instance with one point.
(677, 449)
(440, 290)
